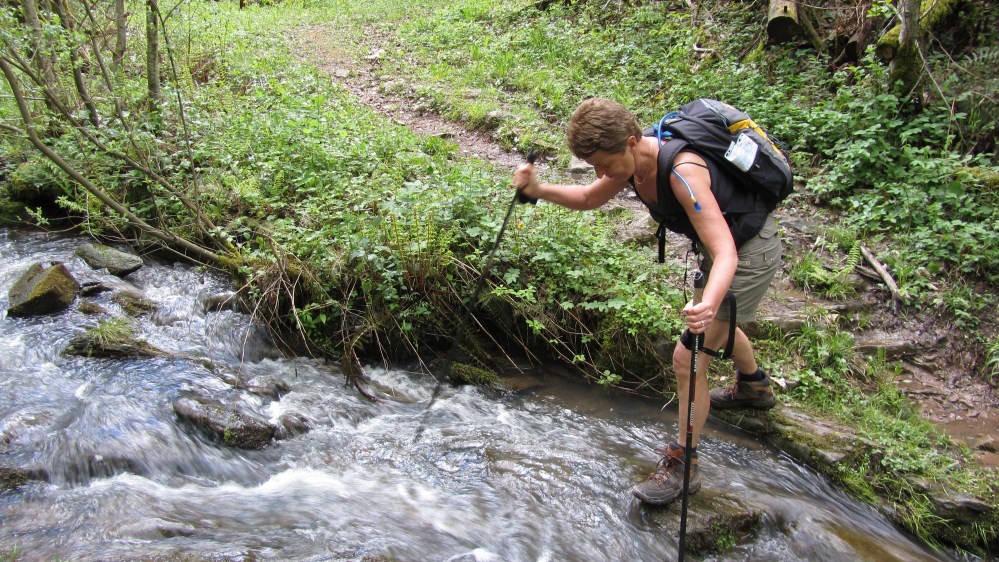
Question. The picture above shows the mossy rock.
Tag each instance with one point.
(463, 373)
(116, 262)
(112, 338)
(133, 303)
(35, 182)
(42, 290)
(234, 426)
(11, 212)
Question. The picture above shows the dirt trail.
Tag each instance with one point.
(937, 372)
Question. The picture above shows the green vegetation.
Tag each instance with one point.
(355, 236)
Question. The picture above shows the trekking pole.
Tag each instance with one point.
(518, 196)
(688, 444)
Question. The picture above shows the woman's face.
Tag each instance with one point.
(616, 166)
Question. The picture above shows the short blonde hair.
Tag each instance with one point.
(601, 124)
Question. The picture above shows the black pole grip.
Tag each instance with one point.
(532, 157)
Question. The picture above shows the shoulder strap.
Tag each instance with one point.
(667, 154)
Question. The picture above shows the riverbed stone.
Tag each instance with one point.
(117, 262)
(133, 302)
(217, 302)
(234, 425)
(111, 339)
(291, 424)
(716, 521)
(42, 289)
(13, 477)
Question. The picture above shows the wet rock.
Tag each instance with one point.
(292, 424)
(959, 508)
(98, 466)
(133, 302)
(716, 521)
(42, 290)
(217, 302)
(266, 386)
(88, 307)
(116, 262)
(112, 339)
(13, 477)
(233, 425)
(816, 442)
(91, 288)
(156, 528)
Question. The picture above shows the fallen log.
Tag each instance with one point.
(782, 21)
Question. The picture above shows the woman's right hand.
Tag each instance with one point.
(525, 180)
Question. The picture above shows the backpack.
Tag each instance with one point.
(731, 139)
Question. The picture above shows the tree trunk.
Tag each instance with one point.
(782, 21)
(121, 37)
(907, 66)
(931, 12)
(75, 57)
(153, 56)
(43, 61)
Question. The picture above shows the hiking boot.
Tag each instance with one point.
(666, 483)
(744, 394)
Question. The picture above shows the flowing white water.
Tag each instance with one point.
(539, 474)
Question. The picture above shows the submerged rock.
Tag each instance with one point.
(217, 302)
(42, 290)
(116, 262)
(13, 477)
(716, 521)
(133, 302)
(233, 425)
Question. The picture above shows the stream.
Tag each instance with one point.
(541, 472)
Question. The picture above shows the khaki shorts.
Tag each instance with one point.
(759, 259)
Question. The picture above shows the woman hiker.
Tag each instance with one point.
(606, 135)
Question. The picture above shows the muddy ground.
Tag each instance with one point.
(938, 363)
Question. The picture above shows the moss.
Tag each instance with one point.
(463, 373)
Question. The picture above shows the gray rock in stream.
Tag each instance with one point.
(117, 263)
(234, 425)
(42, 290)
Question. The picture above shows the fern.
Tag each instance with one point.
(852, 261)
(986, 56)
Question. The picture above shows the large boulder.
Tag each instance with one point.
(115, 261)
(42, 290)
